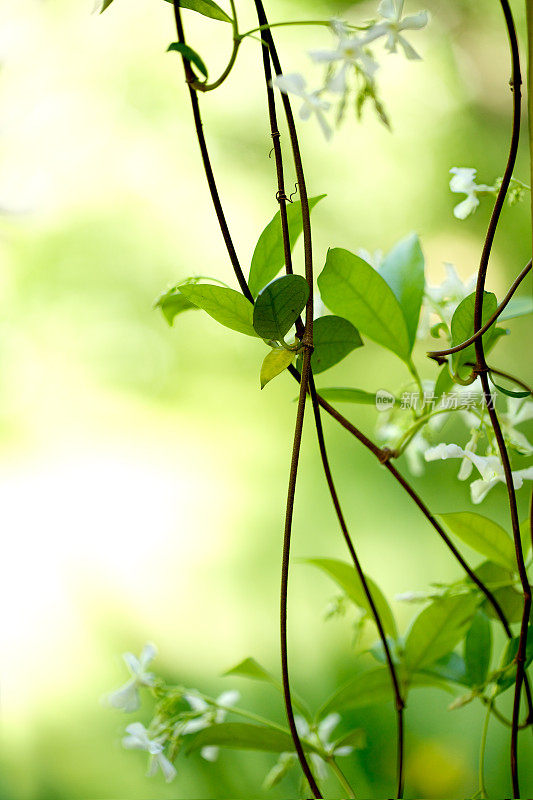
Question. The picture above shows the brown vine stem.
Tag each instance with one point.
(399, 701)
(482, 370)
(281, 196)
(437, 355)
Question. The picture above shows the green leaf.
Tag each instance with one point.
(371, 688)
(508, 392)
(205, 7)
(353, 289)
(333, 338)
(403, 269)
(173, 303)
(189, 54)
(275, 362)
(462, 328)
(355, 739)
(517, 307)
(478, 650)
(250, 668)
(340, 394)
(227, 306)
(105, 5)
(500, 582)
(269, 255)
(450, 667)
(482, 535)
(508, 677)
(438, 629)
(345, 576)
(443, 383)
(242, 736)
(279, 305)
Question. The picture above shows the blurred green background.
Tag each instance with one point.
(142, 473)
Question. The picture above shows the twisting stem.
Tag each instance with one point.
(400, 704)
(285, 572)
(482, 370)
(438, 354)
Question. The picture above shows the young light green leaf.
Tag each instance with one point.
(500, 581)
(250, 668)
(478, 650)
(403, 269)
(438, 629)
(508, 677)
(450, 667)
(205, 7)
(462, 328)
(269, 255)
(353, 289)
(279, 305)
(482, 535)
(243, 736)
(333, 339)
(173, 303)
(517, 307)
(339, 394)
(227, 306)
(275, 363)
(345, 576)
(189, 54)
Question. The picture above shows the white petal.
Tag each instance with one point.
(193, 726)
(521, 475)
(229, 698)
(167, 768)
(325, 56)
(148, 654)
(326, 129)
(463, 179)
(480, 488)
(293, 82)
(327, 725)
(467, 207)
(414, 21)
(210, 753)
(489, 467)
(343, 751)
(126, 698)
(196, 703)
(386, 9)
(305, 111)
(138, 737)
(132, 663)
(444, 451)
(409, 51)
(301, 726)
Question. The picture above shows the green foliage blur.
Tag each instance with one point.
(142, 471)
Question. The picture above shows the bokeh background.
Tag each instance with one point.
(142, 472)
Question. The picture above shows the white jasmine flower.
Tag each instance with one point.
(392, 27)
(127, 697)
(349, 53)
(207, 715)
(489, 467)
(463, 182)
(139, 739)
(320, 736)
(296, 84)
(517, 412)
(444, 298)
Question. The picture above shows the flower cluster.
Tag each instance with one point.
(351, 65)
(463, 181)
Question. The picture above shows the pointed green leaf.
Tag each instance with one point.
(333, 339)
(243, 736)
(478, 650)
(482, 535)
(517, 307)
(205, 7)
(403, 269)
(105, 5)
(173, 303)
(275, 363)
(339, 394)
(500, 582)
(345, 576)
(462, 328)
(353, 289)
(279, 305)
(508, 677)
(444, 382)
(269, 255)
(450, 667)
(355, 739)
(189, 54)
(438, 629)
(250, 668)
(227, 306)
